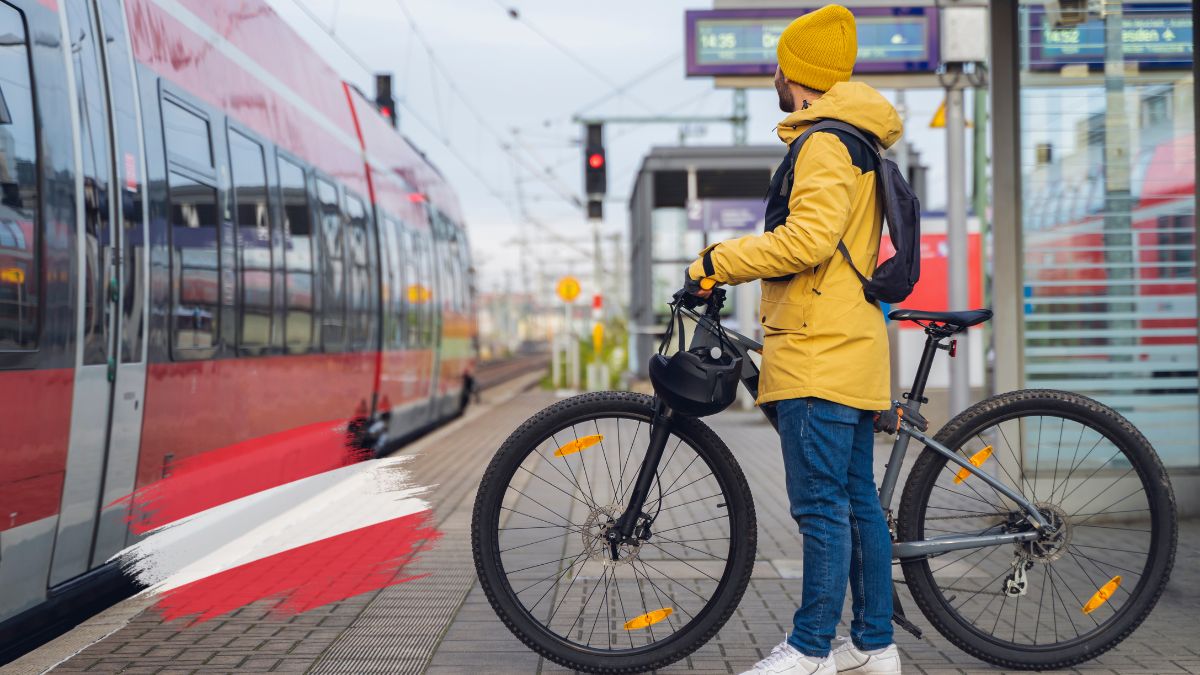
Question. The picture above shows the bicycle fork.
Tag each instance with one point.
(624, 529)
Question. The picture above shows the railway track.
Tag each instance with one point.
(492, 373)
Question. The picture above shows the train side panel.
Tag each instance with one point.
(37, 301)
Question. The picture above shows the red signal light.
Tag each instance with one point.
(596, 160)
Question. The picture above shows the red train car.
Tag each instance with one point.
(1124, 290)
(210, 248)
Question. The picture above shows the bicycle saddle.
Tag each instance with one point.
(959, 321)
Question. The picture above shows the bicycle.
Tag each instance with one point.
(662, 554)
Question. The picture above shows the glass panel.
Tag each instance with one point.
(670, 237)
(1108, 220)
(393, 296)
(195, 267)
(333, 294)
(19, 270)
(358, 274)
(187, 134)
(254, 242)
(298, 264)
(410, 262)
(97, 202)
(128, 181)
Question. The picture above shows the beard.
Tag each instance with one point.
(787, 103)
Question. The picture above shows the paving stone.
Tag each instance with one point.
(442, 623)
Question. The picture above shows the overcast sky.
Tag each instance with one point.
(510, 73)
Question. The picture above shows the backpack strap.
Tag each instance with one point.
(855, 132)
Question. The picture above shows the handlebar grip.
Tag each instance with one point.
(708, 283)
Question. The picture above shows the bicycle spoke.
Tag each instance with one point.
(1097, 562)
(596, 620)
(568, 526)
(604, 454)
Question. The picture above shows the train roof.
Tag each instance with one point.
(244, 59)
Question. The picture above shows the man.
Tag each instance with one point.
(825, 357)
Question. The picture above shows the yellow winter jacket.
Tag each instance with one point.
(822, 337)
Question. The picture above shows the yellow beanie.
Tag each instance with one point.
(818, 49)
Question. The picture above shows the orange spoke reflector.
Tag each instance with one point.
(648, 619)
(977, 459)
(1102, 595)
(577, 445)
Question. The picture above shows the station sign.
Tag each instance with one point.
(719, 215)
(1153, 36)
(896, 40)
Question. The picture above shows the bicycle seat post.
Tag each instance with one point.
(933, 342)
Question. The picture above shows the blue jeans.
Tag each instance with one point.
(827, 455)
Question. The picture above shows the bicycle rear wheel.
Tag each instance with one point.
(1062, 599)
(553, 489)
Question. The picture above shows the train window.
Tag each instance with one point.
(95, 162)
(195, 267)
(19, 258)
(189, 138)
(248, 163)
(411, 277)
(431, 297)
(358, 274)
(297, 256)
(333, 289)
(393, 289)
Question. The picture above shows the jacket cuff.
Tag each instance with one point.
(696, 270)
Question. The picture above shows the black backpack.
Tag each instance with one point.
(895, 277)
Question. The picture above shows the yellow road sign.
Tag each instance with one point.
(939, 117)
(568, 288)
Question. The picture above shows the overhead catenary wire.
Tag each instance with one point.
(515, 14)
(433, 129)
(483, 121)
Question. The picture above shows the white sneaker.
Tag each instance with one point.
(849, 659)
(784, 659)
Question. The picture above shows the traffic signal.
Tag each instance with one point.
(595, 170)
(384, 100)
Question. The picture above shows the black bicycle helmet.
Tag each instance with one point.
(698, 382)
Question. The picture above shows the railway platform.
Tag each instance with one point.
(442, 623)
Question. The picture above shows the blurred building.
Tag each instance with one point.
(513, 323)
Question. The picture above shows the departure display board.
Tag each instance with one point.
(743, 41)
(1158, 35)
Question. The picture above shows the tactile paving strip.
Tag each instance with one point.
(402, 626)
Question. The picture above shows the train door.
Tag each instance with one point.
(110, 372)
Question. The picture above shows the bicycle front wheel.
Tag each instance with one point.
(1068, 596)
(547, 499)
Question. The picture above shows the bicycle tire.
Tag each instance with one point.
(486, 551)
(1160, 556)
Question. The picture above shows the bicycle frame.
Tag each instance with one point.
(707, 334)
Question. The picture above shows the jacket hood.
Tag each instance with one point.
(853, 103)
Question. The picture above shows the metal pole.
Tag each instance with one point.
(956, 241)
(740, 116)
(979, 198)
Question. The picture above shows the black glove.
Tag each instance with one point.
(689, 295)
(888, 421)
(692, 286)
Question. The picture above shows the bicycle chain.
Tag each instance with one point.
(979, 591)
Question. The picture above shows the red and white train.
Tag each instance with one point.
(211, 248)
